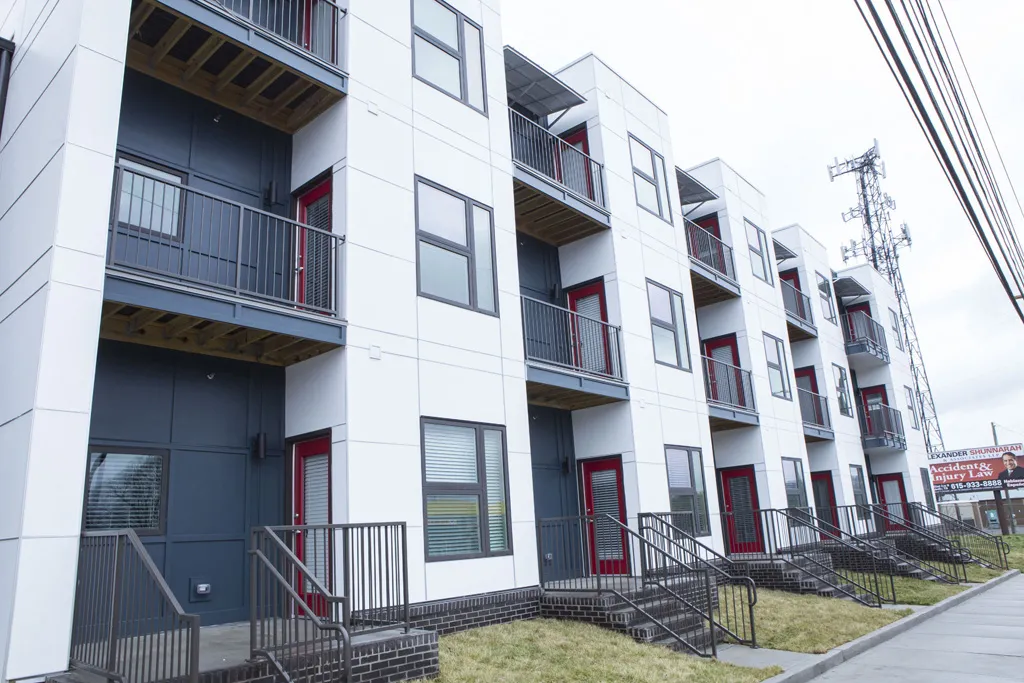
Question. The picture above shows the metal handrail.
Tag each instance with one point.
(559, 336)
(886, 524)
(814, 409)
(796, 302)
(881, 421)
(127, 620)
(545, 153)
(707, 249)
(949, 524)
(728, 384)
(180, 233)
(859, 327)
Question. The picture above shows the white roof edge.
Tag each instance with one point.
(723, 162)
(617, 74)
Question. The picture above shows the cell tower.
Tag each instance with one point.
(880, 246)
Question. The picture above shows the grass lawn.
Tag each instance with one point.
(808, 623)
(1016, 554)
(560, 651)
(919, 592)
(978, 574)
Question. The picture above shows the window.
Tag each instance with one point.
(894, 323)
(465, 490)
(456, 248)
(842, 390)
(760, 262)
(929, 495)
(687, 498)
(150, 198)
(125, 491)
(860, 490)
(828, 304)
(668, 326)
(6, 56)
(796, 492)
(650, 179)
(448, 52)
(912, 408)
(778, 371)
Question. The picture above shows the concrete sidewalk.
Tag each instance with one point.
(978, 641)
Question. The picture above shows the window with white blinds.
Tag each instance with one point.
(124, 491)
(465, 490)
(687, 496)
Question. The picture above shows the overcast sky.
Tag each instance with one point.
(778, 89)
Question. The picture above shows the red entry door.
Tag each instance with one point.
(724, 379)
(825, 498)
(589, 337)
(739, 495)
(810, 406)
(893, 497)
(312, 508)
(873, 398)
(572, 168)
(603, 495)
(858, 330)
(313, 280)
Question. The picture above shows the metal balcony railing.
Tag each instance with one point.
(559, 336)
(179, 233)
(728, 385)
(879, 421)
(814, 409)
(709, 250)
(556, 160)
(859, 328)
(796, 302)
(312, 26)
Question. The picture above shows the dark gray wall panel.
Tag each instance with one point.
(540, 275)
(132, 396)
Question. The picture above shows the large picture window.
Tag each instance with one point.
(778, 369)
(926, 481)
(760, 259)
(650, 179)
(796, 490)
(894, 325)
(915, 421)
(448, 52)
(688, 499)
(150, 198)
(125, 491)
(842, 390)
(668, 326)
(860, 490)
(465, 490)
(828, 303)
(456, 248)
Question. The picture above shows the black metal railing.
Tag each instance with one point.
(879, 421)
(599, 554)
(559, 336)
(176, 232)
(312, 26)
(985, 548)
(127, 624)
(737, 594)
(728, 385)
(555, 159)
(861, 328)
(712, 252)
(796, 302)
(314, 586)
(814, 409)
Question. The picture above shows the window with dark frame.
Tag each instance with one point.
(448, 52)
(6, 57)
(688, 499)
(778, 369)
(860, 490)
(926, 481)
(912, 408)
(455, 249)
(150, 198)
(894, 323)
(842, 390)
(828, 303)
(465, 490)
(796, 489)
(125, 491)
(668, 326)
(760, 261)
(650, 179)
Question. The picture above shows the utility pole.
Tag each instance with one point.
(1000, 505)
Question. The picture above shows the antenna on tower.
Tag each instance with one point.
(880, 247)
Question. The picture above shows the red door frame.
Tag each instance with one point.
(747, 472)
(710, 224)
(572, 297)
(717, 343)
(850, 310)
(307, 30)
(809, 373)
(826, 476)
(587, 467)
(301, 450)
(880, 482)
(577, 138)
(305, 199)
(792, 277)
(880, 390)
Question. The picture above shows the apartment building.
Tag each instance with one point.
(347, 309)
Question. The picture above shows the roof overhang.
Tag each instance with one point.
(535, 89)
(846, 287)
(691, 190)
(782, 252)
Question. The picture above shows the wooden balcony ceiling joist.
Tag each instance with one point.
(549, 220)
(174, 49)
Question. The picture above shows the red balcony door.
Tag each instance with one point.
(311, 506)
(705, 249)
(739, 496)
(313, 281)
(864, 308)
(873, 398)
(603, 495)
(724, 381)
(710, 223)
(792, 277)
(893, 497)
(808, 381)
(823, 487)
(590, 338)
(571, 168)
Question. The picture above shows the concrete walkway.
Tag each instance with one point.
(978, 641)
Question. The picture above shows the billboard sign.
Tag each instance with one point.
(987, 468)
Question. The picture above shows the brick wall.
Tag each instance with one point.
(473, 611)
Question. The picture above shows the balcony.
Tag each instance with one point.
(799, 318)
(865, 341)
(276, 61)
(559, 190)
(730, 394)
(816, 417)
(881, 428)
(192, 271)
(572, 361)
(713, 268)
